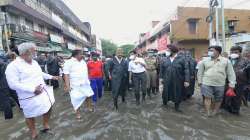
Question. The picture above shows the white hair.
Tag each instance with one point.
(25, 47)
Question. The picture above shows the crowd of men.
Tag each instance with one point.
(224, 82)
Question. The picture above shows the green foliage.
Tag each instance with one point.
(108, 48)
(127, 48)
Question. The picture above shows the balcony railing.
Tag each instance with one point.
(38, 7)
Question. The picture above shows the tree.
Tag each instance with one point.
(127, 48)
(108, 48)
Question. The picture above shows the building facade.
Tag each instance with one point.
(48, 23)
(189, 29)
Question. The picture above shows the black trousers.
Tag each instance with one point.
(119, 87)
(5, 103)
(140, 84)
(233, 104)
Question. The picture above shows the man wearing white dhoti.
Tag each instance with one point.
(76, 80)
(25, 76)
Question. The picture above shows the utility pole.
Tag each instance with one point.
(6, 32)
(213, 4)
(210, 20)
(217, 24)
(223, 26)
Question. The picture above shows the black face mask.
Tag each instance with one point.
(94, 58)
(174, 51)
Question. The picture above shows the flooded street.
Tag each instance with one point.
(150, 121)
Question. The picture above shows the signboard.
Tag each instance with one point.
(71, 46)
(56, 38)
(163, 42)
(41, 36)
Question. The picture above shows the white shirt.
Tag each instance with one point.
(137, 68)
(78, 72)
(119, 60)
(173, 58)
(24, 77)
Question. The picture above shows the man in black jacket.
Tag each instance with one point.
(6, 102)
(174, 76)
(53, 69)
(118, 68)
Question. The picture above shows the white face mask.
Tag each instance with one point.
(168, 53)
(210, 53)
(234, 56)
(132, 57)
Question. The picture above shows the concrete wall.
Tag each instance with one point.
(198, 47)
(180, 29)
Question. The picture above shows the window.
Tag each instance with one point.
(41, 28)
(192, 26)
(231, 26)
(29, 24)
(39, 3)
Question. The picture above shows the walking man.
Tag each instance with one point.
(212, 76)
(95, 69)
(25, 76)
(174, 76)
(137, 71)
(232, 104)
(118, 68)
(76, 80)
(151, 73)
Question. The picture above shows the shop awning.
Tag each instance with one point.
(55, 47)
(43, 49)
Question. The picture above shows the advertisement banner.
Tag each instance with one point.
(163, 42)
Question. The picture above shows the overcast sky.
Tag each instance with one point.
(122, 20)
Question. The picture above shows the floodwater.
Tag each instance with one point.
(149, 121)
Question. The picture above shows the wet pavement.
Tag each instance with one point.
(149, 121)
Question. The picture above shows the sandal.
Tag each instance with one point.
(46, 131)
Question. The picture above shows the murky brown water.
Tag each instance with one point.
(149, 121)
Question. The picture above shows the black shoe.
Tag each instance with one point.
(154, 91)
(115, 105)
(123, 100)
(46, 131)
(177, 108)
(138, 103)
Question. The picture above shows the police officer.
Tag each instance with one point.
(151, 72)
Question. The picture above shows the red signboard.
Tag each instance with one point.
(163, 42)
(41, 36)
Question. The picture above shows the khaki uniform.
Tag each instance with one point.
(151, 72)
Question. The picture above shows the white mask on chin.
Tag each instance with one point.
(234, 56)
(168, 53)
(132, 57)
